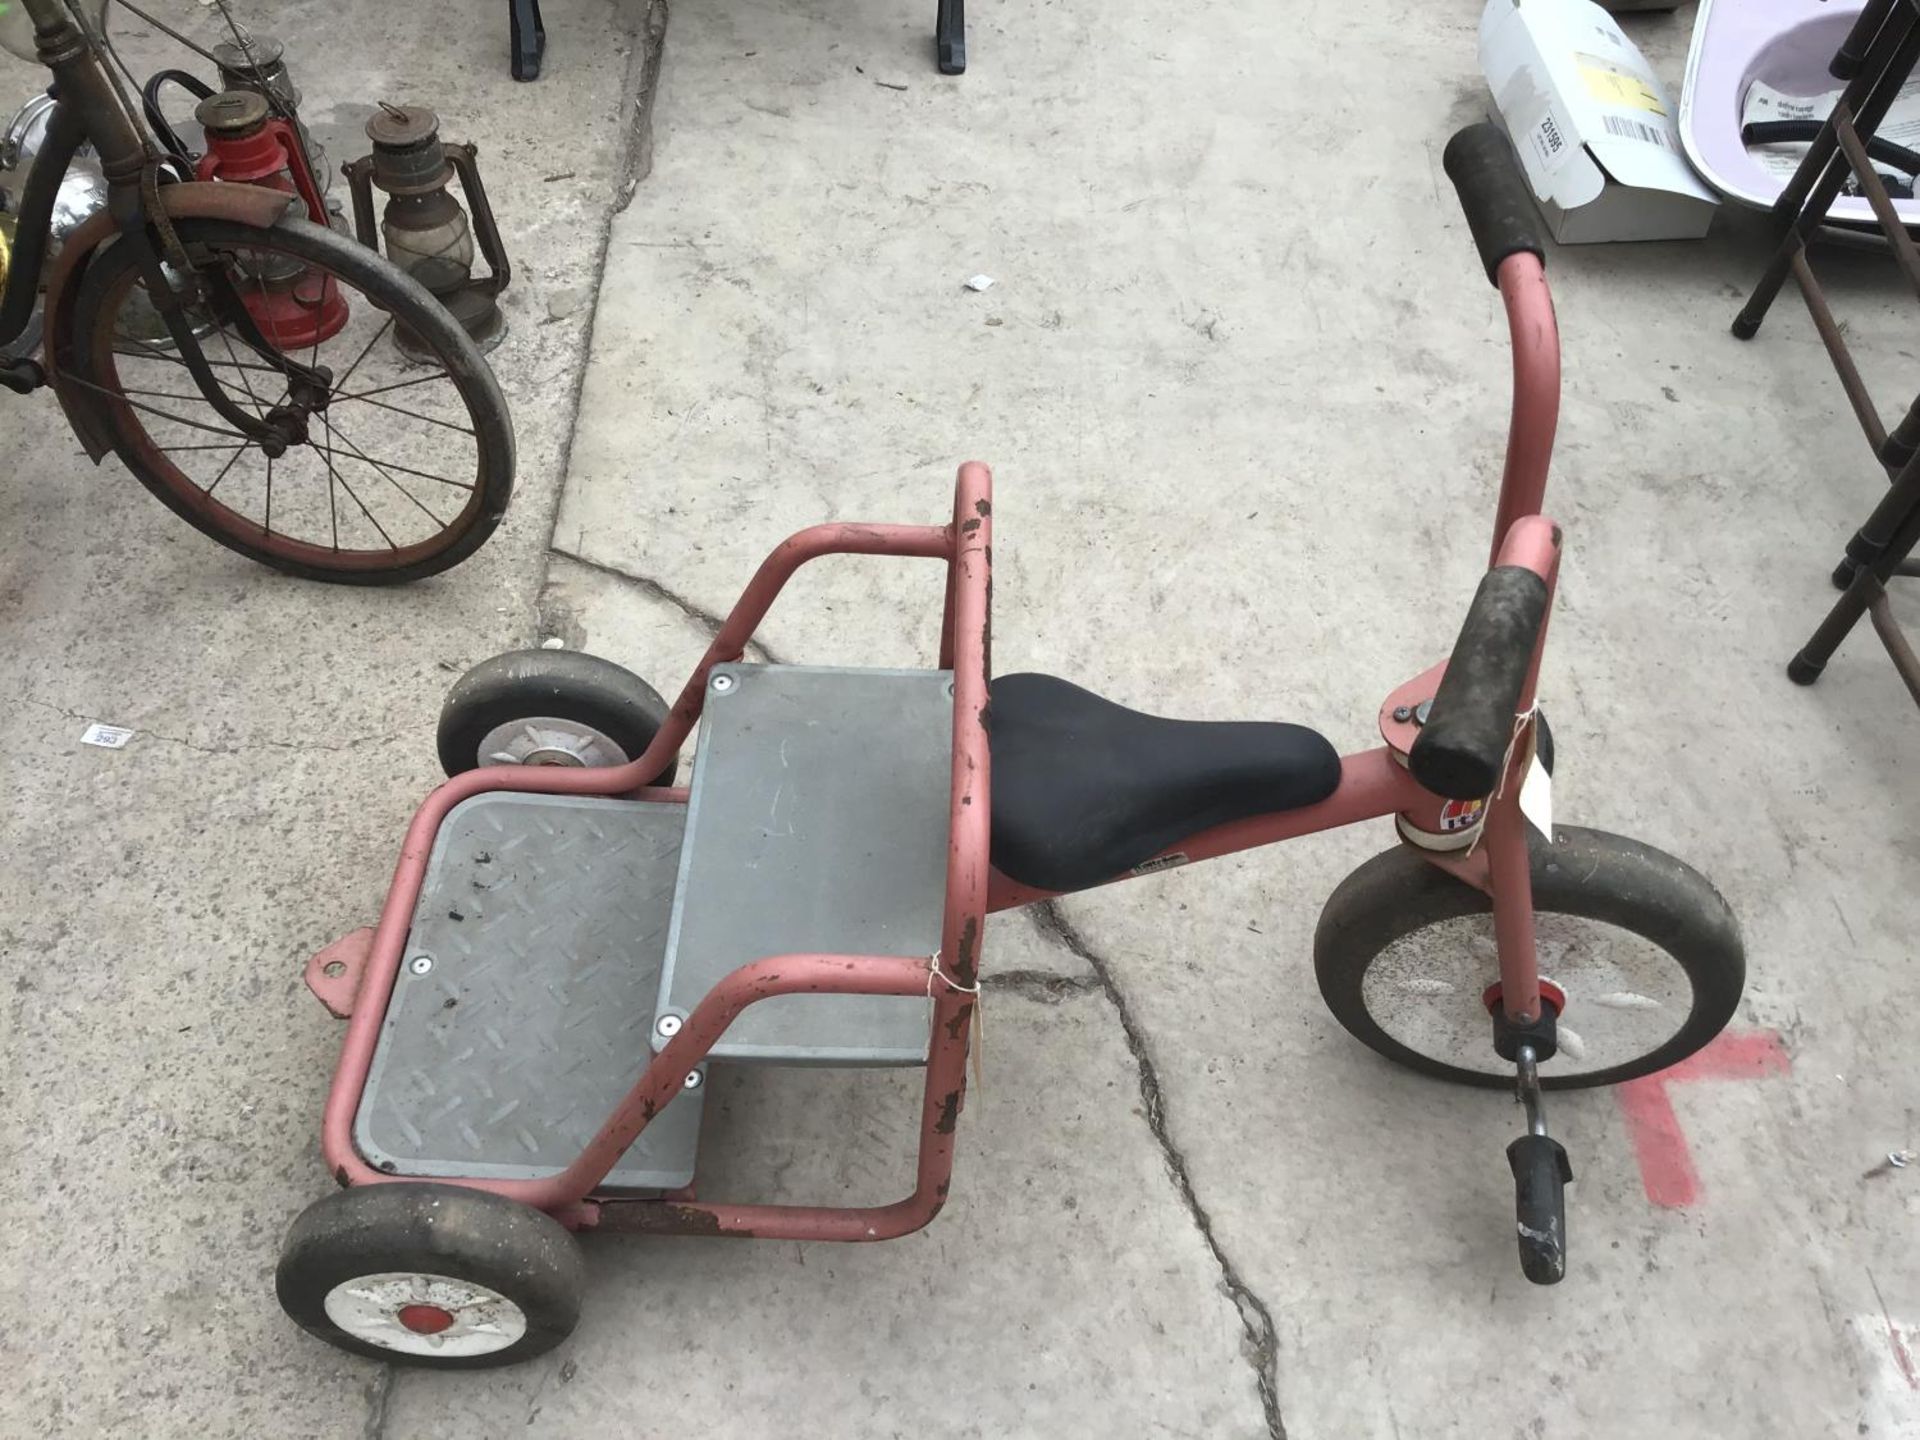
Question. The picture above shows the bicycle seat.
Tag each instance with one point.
(1084, 789)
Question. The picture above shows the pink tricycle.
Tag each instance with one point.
(571, 940)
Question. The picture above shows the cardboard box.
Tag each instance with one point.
(1591, 123)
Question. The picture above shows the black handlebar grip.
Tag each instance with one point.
(1493, 193)
(1460, 749)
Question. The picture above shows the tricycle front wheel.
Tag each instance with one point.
(1644, 948)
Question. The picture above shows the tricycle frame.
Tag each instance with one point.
(1373, 784)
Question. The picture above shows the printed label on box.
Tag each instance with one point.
(1552, 140)
(1620, 88)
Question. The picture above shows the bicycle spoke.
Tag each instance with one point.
(385, 326)
(121, 396)
(347, 440)
(333, 512)
(226, 467)
(412, 414)
(148, 352)
(260, 287)
(225, 389)
(267, 523)
(361, 503)
(160, 394)
(313, 358)
(397, 385)
(222, 331)
(175, 449)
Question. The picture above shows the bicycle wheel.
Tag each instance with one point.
(394, 469)
(1644, 948)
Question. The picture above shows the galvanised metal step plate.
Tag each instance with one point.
(525, 996)
(818, 822)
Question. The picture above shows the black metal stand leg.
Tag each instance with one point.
(529, 38)
(1866, 590)
(1805, 667)
(1853, 51)
(1904, 443)
(1871, 540)
(1821, 175)
(950, 37)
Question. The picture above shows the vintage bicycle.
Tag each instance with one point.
(233, 350)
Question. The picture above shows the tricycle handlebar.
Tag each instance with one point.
(1494, 195)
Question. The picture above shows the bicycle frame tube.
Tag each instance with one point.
(965, 546)
(1373, 785)
(64, 133)
(1536, 392)
(85, 84)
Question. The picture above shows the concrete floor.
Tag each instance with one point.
(1241, 382)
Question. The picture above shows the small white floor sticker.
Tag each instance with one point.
(107, 737)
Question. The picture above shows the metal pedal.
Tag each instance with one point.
(521, 1012)
(818, 822)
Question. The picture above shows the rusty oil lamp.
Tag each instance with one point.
(295, 306)
(426, 232)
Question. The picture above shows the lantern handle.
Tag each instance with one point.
(461, 156)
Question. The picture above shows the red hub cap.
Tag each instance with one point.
(1549, 992)
(425, 1319)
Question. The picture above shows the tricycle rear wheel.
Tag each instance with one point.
(549, 707)
(429, 1274)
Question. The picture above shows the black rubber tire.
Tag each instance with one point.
(1586, 873)
(450, 1230)
(396, 293)
(565, 684)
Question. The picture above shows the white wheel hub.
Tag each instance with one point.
(1626, 996)
(550, 740)
(416, 1313)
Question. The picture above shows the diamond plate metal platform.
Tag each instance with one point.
(525, 997)
(818, 822)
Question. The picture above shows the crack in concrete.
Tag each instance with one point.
(638, 162)
(142, 732)
(652, 588)
(1041, 985)
(633, 164)
(379, 1393)
(1256, 1320)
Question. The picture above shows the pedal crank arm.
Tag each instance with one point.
(1541, 1172)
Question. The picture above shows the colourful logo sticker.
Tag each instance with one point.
(1458, 815)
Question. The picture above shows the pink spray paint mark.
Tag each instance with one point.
(1659, 1144)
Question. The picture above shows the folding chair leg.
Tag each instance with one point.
(950, 37)
(529, 38)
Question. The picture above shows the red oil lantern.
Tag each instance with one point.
(293, 305)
